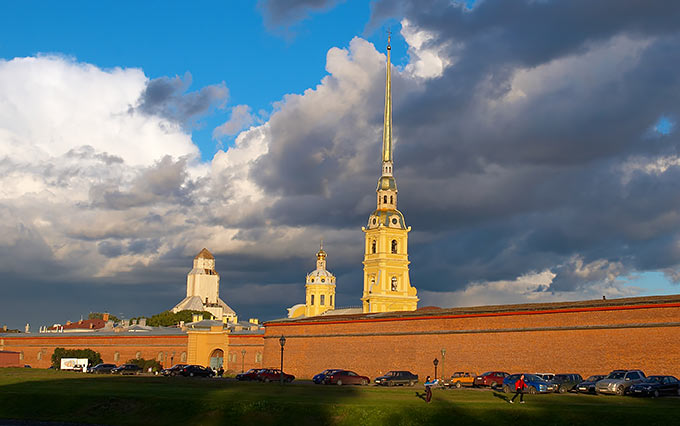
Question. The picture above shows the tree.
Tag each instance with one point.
(100, 315)
(168, 318)
(146, 363)
(93, 357)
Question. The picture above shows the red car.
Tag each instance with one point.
(493, 379)
(345, 377)
(273, 375)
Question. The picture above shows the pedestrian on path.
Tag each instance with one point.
(520, 384)
(428, 388)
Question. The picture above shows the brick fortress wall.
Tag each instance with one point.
(592, 337)
(36, 349)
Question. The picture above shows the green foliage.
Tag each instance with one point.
(93, 357)
(100, 315)
(168, 318)
(146, 363)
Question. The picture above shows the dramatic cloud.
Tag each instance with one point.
(288, 12)
(535, 146)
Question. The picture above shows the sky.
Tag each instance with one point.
(536, 150)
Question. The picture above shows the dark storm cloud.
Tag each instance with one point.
(167, 97)
(288, 12)
(501, 187)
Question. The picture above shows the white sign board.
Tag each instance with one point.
(74, 363)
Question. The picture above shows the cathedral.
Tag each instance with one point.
(203, 290)
(387, 286)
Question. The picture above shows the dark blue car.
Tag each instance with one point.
(656, 386)
(535, 384)
(319, 378)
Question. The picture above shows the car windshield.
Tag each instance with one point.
(593, 378)
(533, 378)
(391, 373)
(654, 379)
(487, 373)
(617, 375)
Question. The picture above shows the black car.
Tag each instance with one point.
(567, 382)
(196, 370)
(588, 385)
(127, 369)
(174, 370)
(393, 378)
(319, 378)
(102, 369)
(656, 386)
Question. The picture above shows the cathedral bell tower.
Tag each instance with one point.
(387, 286)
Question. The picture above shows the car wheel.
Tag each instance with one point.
(506, 389)
(620, 390)
(458, 385)
(191, 374)
(532, 390)
(562, 389)
(390, 383)
(678, 391)
(266, 379)
(339, 382)
(364, 382)
(494, 385)
(411, 383)
(656, 393)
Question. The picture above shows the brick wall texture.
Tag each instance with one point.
(586, 338)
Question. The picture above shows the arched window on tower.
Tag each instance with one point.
(394, 246)
(373, 247)
(391, 199)
(385, 199)
(394, 283)
(331, 304)
(311, 299)
(323, 300)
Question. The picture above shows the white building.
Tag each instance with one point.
(203, 289)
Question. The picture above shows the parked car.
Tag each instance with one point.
(619, 381)
(273, 375)
(346, 377)
(492, 379)
(567, 382)
(174, 370)
(534, 383)
(393, 378)
(656, 386)
(101, 369)
(588, 385)
(126, 369)
(196, 371)
(319, 378)
(249, 375)
(461, 378)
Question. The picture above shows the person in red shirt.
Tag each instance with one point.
(520, 384)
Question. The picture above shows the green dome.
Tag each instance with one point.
(387, 182)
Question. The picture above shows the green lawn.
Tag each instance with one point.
(112, 400)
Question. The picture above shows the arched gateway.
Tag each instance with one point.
(216, 359)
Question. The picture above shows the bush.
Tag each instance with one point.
(93, 357)
(146, 363)
(168, 318)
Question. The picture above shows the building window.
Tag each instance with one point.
(385, 199)
(39, 356)
(311, 298)
(258, 357)
(391, 199)
(116, 356)
(159, 358)
(21, 355)
(394, 246)
(394, 283)
(183, 357)
(373, 247)
(138, 355)
(323, 299)
(331, 300)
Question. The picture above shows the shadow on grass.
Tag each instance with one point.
(112, 400)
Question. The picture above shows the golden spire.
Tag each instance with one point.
(387, 125)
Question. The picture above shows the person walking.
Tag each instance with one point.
(520, 384)
(428, 388)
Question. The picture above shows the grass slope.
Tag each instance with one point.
(113, 400)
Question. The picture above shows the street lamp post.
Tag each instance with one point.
(282, 341)
(435, 362)
(442, 369)
(243, 359)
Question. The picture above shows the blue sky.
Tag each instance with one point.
(213, 41)
(522, 146)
